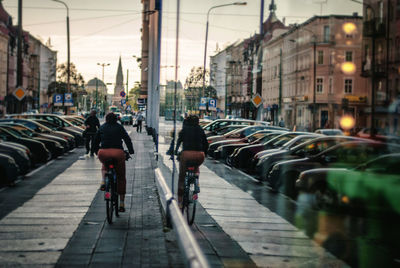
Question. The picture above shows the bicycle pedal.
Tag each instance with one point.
(107, 195)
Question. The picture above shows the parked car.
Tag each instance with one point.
(224, 130)
(230, 137)
(53, 144)
(216, 124)
(345, 155)
(329, 131)
(285, 147)
(306, 149)
(8, 170)
(39, 152)
(380, 135)
(126, 119)
(262, 136)
(48, 132)
(370, 187)
(20, 156)
(62, 124)
(243, 156)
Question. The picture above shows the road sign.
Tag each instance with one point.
(122, 94)
(58, 100)
(212, 104)
(257, 100)
(203, 103)
(68, 100)
(19, 93)
(123, 102)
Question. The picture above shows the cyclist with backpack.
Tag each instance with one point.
(108, 145)
(194, 147)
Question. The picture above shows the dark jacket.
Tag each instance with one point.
(93, 123)
(192, 138)
(110, 135)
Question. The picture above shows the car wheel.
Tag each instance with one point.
(323, 198)
(286, 183)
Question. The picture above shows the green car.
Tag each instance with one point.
(126, 119)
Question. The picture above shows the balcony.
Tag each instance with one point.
(370, 27)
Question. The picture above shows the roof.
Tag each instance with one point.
(92, 83)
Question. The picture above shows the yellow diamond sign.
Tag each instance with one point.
(256, 100)
(19, 93)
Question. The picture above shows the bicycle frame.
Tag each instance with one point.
(190, 194)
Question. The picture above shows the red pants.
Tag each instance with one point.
(194, 157)
(119, 156)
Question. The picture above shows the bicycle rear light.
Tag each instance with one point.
(111, 166)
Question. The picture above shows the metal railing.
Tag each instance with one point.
(187, 243)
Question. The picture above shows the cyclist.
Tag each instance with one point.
(195, 146)
(92, 124)
(108, 144)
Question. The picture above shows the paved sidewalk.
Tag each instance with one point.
(136, 239)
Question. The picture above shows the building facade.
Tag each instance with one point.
(291, 88)
(381, 62)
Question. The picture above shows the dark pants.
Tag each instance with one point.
(89, 141)
(139, 126)
(193, 157)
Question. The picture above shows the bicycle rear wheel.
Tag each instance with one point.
(189, 206)
(109, 209)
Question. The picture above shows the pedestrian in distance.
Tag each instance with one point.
(139, 120)
(281, 123)
(92, 124)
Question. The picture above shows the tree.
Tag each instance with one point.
(76, 79)
(194, 88)
(134, 94)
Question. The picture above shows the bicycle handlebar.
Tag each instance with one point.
(127, 155)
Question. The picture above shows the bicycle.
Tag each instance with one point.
(190, 194)
(111, 194)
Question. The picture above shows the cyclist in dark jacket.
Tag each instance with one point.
(107, 145)
(195, 146)
(92, 124)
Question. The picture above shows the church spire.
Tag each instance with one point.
(119, 81)
(272, 7)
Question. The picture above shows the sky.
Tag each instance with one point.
(103, 30)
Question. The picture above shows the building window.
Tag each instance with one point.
(330, 86)
(348, 86)
(327, 33)
(349, 56)
(320, 59)
(380, 5)
(320, 85)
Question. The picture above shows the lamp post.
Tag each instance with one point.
(102, 77)
(205, 45)
(68, 48)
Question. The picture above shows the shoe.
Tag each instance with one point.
(121, 209)
(103, 187)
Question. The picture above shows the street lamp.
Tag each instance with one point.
(68, 47)
(102, 71)
(205, 45)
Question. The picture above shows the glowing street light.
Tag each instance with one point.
(347, 122)
(349, 27)
(348, 67)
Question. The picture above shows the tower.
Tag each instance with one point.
(119, 84)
